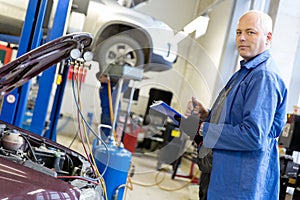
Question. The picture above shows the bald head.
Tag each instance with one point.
(253, 34)
(263, 19)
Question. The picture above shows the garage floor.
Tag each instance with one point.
(148, 183)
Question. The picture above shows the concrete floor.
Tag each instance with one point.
(148, 183)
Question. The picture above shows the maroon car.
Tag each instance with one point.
(31, 166)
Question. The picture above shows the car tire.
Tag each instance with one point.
(119, 49)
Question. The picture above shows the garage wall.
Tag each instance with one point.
(195, 71)
(285, 48)
(177, 16)
(176, 13)
(212, 44)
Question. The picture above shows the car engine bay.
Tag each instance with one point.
(45, 156)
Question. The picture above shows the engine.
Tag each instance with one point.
(43, 155)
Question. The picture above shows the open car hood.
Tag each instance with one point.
(25, 67)
(31, 166)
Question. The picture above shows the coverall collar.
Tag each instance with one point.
(255, 61)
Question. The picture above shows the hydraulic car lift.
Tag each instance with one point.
(14, 103)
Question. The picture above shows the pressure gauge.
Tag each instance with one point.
(75, 54)
(88, 56)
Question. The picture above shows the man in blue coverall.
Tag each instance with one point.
(246, 119)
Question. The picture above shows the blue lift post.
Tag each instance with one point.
(36, 41)
(15, 102)
(44, 91)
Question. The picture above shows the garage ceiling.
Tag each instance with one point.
(181, 13)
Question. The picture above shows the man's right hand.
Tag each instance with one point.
(195, 107)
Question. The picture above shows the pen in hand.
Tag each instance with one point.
(196, 108)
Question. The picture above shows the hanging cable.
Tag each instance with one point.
(79, 122)
(80, 114)
(85, 136)
(85, 131)
(90, 128)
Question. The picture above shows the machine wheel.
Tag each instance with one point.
(120, 49)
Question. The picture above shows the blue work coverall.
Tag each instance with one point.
(245, 153)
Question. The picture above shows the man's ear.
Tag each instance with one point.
(269, 38)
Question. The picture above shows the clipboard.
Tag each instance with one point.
(165, 109)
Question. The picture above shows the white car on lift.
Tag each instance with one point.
(123, 35)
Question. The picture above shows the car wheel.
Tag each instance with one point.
(120, 49)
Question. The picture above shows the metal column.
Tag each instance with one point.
(14, 103)
(47, 78)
